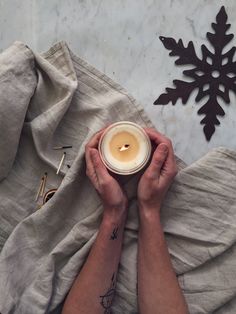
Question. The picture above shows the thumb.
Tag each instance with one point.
(158, 159)
(99, 167)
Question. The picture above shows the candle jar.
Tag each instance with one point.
(124, 147)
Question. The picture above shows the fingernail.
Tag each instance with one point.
(93, 153)
(163, 148)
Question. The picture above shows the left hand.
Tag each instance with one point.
(111, 193)
(158, 177)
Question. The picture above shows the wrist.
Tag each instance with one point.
(114, 215)
(149, 219)
(149, 212)
(149, 207)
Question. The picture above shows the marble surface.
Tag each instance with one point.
(121, 38)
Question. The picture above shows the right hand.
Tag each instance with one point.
(158, 177)
(112, 195)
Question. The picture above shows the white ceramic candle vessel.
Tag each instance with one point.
(125, 148)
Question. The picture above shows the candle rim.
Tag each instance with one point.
(134, 169)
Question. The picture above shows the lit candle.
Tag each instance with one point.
(125, 147)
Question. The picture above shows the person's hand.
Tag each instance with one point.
(159, 175)
(111, 193)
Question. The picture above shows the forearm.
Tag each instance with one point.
(158, 288)
(93, 290)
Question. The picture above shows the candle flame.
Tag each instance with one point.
(124, 147)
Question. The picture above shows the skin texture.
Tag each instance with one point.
(158, 177)
(158, 289)
(94, 288)
(112, 195)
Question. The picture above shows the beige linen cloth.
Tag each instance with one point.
(56, 99)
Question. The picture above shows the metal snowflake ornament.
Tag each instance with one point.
(214, 75)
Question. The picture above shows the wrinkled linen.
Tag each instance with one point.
(55, 99)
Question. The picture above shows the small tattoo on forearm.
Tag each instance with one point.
(106, 299)
(114, 234)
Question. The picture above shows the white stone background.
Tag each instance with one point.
(121, 38)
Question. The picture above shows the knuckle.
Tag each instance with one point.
(173, 172)
(148, 175)
(96, 135)
(108, 181)
(96, 163)
(158, 161)
(168, 141)
(87, 147)
(87, 173)
(99, 133)
(104, 183)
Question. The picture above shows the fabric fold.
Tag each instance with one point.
(17, 84)
(55, 239)
(64, 101)
(57, 83)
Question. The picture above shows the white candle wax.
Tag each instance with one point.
(125, 148)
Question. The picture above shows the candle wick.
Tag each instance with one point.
(124, 147)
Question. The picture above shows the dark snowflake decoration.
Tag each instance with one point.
(214, 75)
